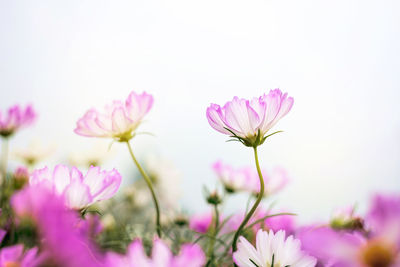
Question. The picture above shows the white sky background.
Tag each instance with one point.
(339, 59)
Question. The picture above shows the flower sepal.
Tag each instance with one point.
(253, 141)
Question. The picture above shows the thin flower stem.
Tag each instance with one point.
(255, 205)
(150, 186)
(214, 234)
(4, 159)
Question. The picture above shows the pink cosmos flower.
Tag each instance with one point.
(246, 179)
(16, 118)
(381, 247)
(63, 243)
(274, 181)
(79, 191)
(21, 173)
(118, 120)
(232, 179)
(274, 223)
(272, 249)
(189, 256)
(279, 222)
(250, 120)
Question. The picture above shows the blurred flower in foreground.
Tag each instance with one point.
(34, 153)
(250, 120)
(118, 120)
(14, 256)
(272, 250)
(63, 243)
(189, 256)
(343, 248)
(79, 191)
(16, 118)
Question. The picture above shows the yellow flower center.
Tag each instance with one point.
(378, 254)
(12, 264)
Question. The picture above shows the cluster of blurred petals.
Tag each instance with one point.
(15, 118)
(78, 190)
(246, 178)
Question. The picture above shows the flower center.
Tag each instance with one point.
(378, 254)
(12, 264)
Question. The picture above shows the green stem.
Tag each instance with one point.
(255, 205)
(4, 159)
(150, 186)
(214, 235)
(215, 231)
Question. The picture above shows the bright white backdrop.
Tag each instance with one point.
(339, 59)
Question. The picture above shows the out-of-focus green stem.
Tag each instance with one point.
(150, 186)
(4, 160)
(210, 252)
(255, 205)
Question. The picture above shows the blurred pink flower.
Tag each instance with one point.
(381, 247)
(274, 181)
(15, 256)
(118, 120)
(250, 120)
(21, 173)
(62, 242)
(90, 226)
(189, 256)
(272, 250)
(201, 222)
(79, 191)
(246, 178)
(16, 118)
(232, 179)
(276, 223)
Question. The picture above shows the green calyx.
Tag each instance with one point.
(6, 133)
(214, 199)
(125, 137)
(252, 141)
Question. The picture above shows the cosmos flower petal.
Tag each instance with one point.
(79, 191)
(248, 119)
(77, 195)
(17, 117)
(268, 246)
(117, 120)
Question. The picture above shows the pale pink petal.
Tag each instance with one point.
(162, 256)
(110, 182)
(77, 195)
(214, 117)
(119, 121)
(241, 117)
(61, 178)
(138, 106)
(137, 256)
(190, 255)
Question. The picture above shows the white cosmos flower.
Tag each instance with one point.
(272, 250)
